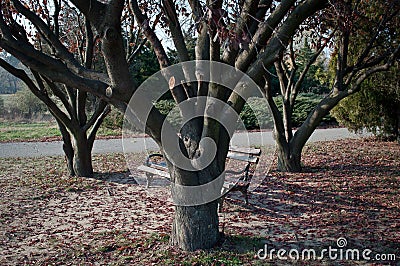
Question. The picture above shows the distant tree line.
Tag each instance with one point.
(9, 84)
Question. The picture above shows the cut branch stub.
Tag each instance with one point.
(171, 83)
(109, 92)
(110, 34)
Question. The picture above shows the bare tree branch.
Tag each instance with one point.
(53, 69)
(89, 45)
(62, 51)
(57, 10)
(262, 9)
(275, 46)
(248, 11)
(96, 124)
(136, 51)
(61, 96)
(97, 112)
(264, 32)
(42, 95)
(144, 21)
(92, 9)
(283, 80)
(311, 61)
(176, 30)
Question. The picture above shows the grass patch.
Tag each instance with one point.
(155, 249)
(39, 131)
(13, 131)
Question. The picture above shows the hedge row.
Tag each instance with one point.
(254, 108)
(257, 107)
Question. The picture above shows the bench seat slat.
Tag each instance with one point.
(158, 166)
(153, 171)
(226, 185)
(242, 157)
(251, 151)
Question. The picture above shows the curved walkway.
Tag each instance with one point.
(54, 148)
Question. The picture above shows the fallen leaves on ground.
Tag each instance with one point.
(348, 188)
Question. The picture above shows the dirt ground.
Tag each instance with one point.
(349, 189)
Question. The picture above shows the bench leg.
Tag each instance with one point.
(149, 178)
(246, 196)
(220, 203)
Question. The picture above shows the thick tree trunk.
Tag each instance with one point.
(287, 119)
(397, 125)
(67, 147)
(196, 227)
(77, 149)
(288, 159)
(289, 152)
(82, 156)
(69, 154)
(196, 222)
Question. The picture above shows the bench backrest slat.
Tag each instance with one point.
(241, 154)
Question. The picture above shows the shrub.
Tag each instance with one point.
(305, 103)
(255, 107)
(27, 105)
(114, 120)
(373, 110)
(168, 107)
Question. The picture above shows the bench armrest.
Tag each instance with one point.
(152, 156)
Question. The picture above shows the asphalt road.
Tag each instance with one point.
(40, 149)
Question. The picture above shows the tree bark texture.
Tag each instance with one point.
(288, 159)
(82, 156)
(195, 227)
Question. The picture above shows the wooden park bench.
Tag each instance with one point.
(156, 165)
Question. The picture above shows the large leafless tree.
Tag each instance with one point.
(78, 114)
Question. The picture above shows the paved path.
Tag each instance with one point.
(40, 149)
